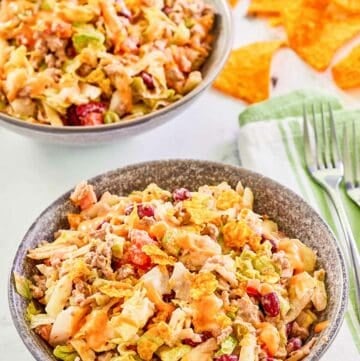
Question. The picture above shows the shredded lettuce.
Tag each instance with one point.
(181, 35)
(47, 5)
(110, 118)
(65, 353)
(252, 265)
(40, 319)
(22, 286)
(227, 346)
(87, 35)
(31, 310)
(306, 318)
(319, 298)
(169, 242)
(173, 353)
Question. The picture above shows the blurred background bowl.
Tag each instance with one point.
(82, 135)
(295, 217)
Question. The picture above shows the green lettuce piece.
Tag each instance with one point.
(173, 353)
(31, 311)
(47, 5)
(111, 117)
(252, 265)
(87, 35)
(284, 305)
(65, 353)
(169, 243)
(117, 248)
(227, 346)
(40, 319)
(22, 286)
(181, 35)
(138, 86)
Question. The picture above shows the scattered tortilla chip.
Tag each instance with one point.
(266, 7)
(352, 6)
(346, 72)
(233, 3)
(246, 75)
(157, 255)
(316, 31)
(275, 20)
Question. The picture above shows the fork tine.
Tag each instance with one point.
(317, 139)
(325, 139)
(335, 153)
(309, 158)
(356, 151)
(348, 166)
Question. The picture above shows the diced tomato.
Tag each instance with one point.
(252, 291)
(138, 258)
(135, 255)
(252, 288)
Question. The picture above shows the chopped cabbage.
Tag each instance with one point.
(169, 242)
(319, 298)
(31, 310)
(66, 324)
(59, 296)
(227, 346)
(136, 312)
(40, 319)
(252, 265)
(87, 35)
(22, 285)
(65, 353)
(301, 290)
(173, 353)
(158, 278)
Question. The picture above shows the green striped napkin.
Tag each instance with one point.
(270, 142)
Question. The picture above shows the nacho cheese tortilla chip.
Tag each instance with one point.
(316, 30)
(233, 3)
(352, 6)
(246, 75)
(346, 72)
(266, 7)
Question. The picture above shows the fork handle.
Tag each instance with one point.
(350, 242)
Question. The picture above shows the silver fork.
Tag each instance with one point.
(326, 167)
(351, 164)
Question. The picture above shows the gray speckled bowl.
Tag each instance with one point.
(86, 135)
(293, 215)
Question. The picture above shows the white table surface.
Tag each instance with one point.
(34, 174)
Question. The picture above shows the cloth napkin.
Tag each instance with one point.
(270, 142)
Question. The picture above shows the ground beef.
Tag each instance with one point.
(38, 287)
(124, 271)
(101, 260)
